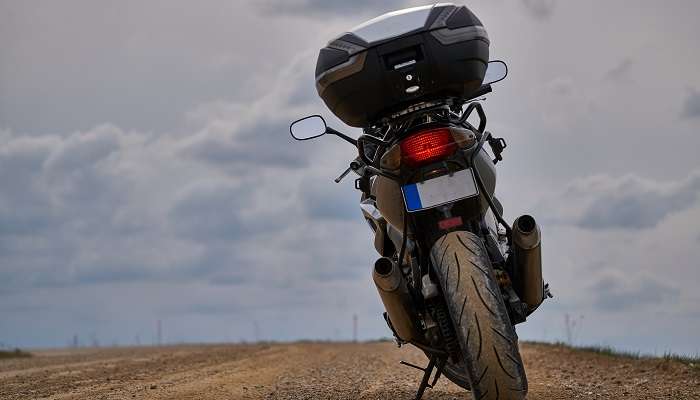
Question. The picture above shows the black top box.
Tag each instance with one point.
(402, 58)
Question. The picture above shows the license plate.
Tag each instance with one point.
(441, 190)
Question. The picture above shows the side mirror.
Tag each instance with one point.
(495, 71)
(308, 127)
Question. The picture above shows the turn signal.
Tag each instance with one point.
(463, 137)
(427, 147)
(391, 160)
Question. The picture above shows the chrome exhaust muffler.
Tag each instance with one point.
(394, 293)
(527, 249)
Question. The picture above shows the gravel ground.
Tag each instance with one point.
(319, 371)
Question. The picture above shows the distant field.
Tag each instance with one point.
(322, 370)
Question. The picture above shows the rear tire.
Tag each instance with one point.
(487, 339)
(456, 374)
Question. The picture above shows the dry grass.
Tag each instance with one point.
(691, 361)
(16, 353)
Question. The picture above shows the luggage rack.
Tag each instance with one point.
(411, 117)
(424, 105)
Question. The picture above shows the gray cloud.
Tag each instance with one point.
(691, 104)
(84, 148)
(334, 7)
(540, 9)
(629, 202)
(62, 222)
(616, 295)
(144, 70)
(253, 135)
(321, 200)
(23, 205)
(213, 209)
(259, 145)
(620, 71)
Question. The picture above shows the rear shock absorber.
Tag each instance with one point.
(442, 318)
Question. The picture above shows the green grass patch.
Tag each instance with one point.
(16, 353)
(611, 352)
(691, 361)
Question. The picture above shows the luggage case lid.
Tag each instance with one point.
(412, 20)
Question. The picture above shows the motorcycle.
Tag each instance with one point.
(454, 277)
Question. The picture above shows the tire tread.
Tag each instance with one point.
(491, 358)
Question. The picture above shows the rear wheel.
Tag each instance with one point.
(489, 346)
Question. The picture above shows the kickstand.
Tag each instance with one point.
(427, 371)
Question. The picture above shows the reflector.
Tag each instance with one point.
(449, 223)
(427, 147)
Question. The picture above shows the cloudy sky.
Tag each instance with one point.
(146, 171)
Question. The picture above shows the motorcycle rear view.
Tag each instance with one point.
(453, 275)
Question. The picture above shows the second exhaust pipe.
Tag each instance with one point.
(527, 244)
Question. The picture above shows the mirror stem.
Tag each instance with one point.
(484, 89)
(341, 135)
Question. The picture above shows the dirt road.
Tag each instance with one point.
(319, 371)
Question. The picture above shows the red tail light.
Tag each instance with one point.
(427, 147)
